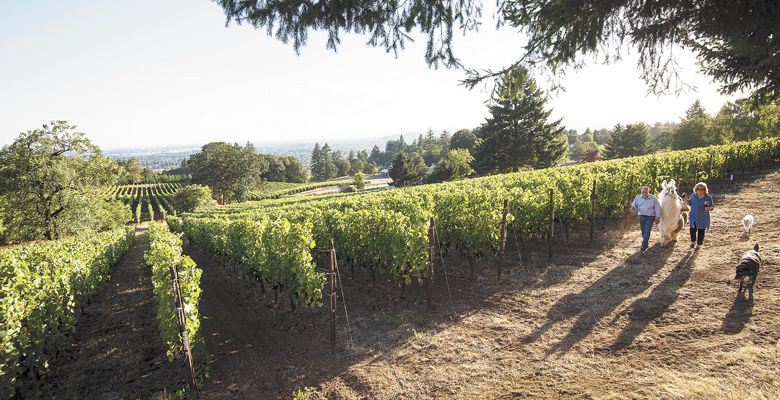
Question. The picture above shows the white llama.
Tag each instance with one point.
(671, 222)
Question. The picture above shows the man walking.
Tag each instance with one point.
(649, 210)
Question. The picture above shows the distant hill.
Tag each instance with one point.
(167, 157)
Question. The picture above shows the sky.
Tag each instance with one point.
(166, 73)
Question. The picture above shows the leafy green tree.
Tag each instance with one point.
(371, 168)
(191, 197)
(294, 171)
(464, 139)
(276, 169)
(583, 148)
(134, 170)
(455, 165)
(517, 134)
(229, 170)
(342, 165)
(149, 175)
(693, 129)
(359, 180)
(660, 135)
(45, 176)
(735, 42)
(600, 136)
(627, 141)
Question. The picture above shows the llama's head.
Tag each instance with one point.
(669, 189)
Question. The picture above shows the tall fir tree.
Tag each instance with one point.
(627, 141)
(328, 163)
(316, 163)
(517, 134)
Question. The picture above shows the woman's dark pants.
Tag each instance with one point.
(700, 238)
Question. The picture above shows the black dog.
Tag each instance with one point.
(748, 268)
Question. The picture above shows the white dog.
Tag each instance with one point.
(747, 223)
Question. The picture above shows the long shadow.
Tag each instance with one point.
(599, 299)
(739, 315)
(647, 309)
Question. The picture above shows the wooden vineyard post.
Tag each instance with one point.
(332, 286)
(630, 188)
(726, 168)
(431, 252)
(552, 227)
(502, 240)
(593, 199)
(742, 162)
(752, 162)
(185, 341)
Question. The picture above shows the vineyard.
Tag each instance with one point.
(275, 190)
(147, 201)
(389, 236)
(44, 288)
(388, 232)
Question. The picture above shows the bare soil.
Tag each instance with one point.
(116, 351)
(598, 321)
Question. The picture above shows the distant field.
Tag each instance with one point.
(273, 190)
(146, 201)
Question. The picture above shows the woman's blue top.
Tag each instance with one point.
(699, 218)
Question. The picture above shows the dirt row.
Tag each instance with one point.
(116, 351)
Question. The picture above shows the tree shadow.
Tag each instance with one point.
(599, 299)
(647, 309)
(740, 313)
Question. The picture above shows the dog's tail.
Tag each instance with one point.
(755, 247)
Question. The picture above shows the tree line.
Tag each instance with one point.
(735, 121)
(231, 170)
(516, 135)
(327, 164)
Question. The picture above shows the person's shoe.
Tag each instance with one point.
(693, 244)
(643, 249)
(698, 246)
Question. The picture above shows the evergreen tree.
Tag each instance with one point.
(317, 168)
(407, 168)
(329, 168)
(517, 134)
(376, 156)
(627, 141)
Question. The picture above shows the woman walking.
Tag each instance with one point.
(701, 204)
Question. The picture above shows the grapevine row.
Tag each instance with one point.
(42, 288)
(165, 254)
(386, 230)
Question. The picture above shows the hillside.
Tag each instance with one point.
(599, 321)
